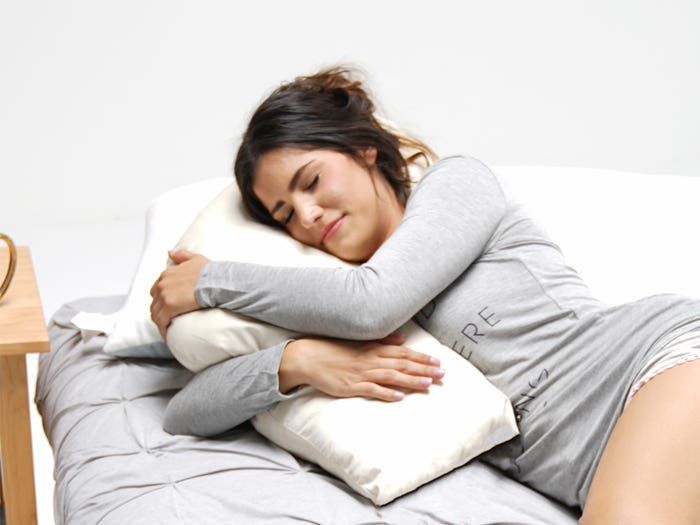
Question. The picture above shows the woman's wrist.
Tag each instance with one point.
(291, 373)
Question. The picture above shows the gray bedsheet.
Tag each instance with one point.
(114, 464)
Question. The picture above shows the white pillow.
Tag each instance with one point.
(385, 450)
(380, 449)
(130, 331)
(224, 231)
(133, 334)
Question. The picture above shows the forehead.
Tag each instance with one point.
(275, 169)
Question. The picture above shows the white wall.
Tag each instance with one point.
(106, 104)
(103, 105)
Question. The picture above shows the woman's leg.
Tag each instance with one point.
(650, 469)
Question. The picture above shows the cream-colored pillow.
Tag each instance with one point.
(382, 450)
(224, 231)
(385, 450)
(130, 331)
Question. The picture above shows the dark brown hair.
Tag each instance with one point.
(327, 110)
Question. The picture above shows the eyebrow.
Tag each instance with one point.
(292, 185)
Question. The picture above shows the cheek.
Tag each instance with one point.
(333, 193)
(300, 234)
(363, 194)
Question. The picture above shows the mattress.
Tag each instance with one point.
(114, 463)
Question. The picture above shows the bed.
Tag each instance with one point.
(115, 464)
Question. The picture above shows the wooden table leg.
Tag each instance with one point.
(16, 443)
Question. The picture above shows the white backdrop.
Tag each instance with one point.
(106, 104)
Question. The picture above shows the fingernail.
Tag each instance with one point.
(439, 372)
(425, 381)
(398, 396)
(434, 361)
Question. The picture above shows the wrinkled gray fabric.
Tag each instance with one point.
(115, 465)
(227, 394)
(483, 278)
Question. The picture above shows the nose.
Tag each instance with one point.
(309, 213)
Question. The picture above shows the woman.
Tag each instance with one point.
(477, 273)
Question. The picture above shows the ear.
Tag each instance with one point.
(370, 155)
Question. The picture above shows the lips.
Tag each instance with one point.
(330, 230)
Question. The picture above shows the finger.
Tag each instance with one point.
(388, 377)
(161, 319)
(407, 366)
(404, 352)
(372, 390)
(154, 308)
(156, 321)
(180, 256)
(154, 288)
(161, 324)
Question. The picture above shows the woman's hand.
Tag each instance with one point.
(173, 291)
(374, 369)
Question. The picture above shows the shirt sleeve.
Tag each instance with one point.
(450, 217)
(226, 394)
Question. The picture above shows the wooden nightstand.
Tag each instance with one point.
(22, 331)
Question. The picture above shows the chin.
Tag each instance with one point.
(352, 252)
(351, 256)
(356, 260)
(343, 256)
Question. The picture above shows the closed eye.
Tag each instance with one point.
(313, 182)
(311, 186)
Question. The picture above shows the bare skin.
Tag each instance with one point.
(329, 186)
(173, 291)
(346, 369)
(373, 369)
(649, 472)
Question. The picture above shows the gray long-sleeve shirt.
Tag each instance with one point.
(476, 272)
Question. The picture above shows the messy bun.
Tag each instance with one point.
(327, 110)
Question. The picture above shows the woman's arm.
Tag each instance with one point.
(228, 393)
(449, 219)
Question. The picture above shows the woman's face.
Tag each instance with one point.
(327, 200)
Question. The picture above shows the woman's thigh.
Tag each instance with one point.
(649, 471)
